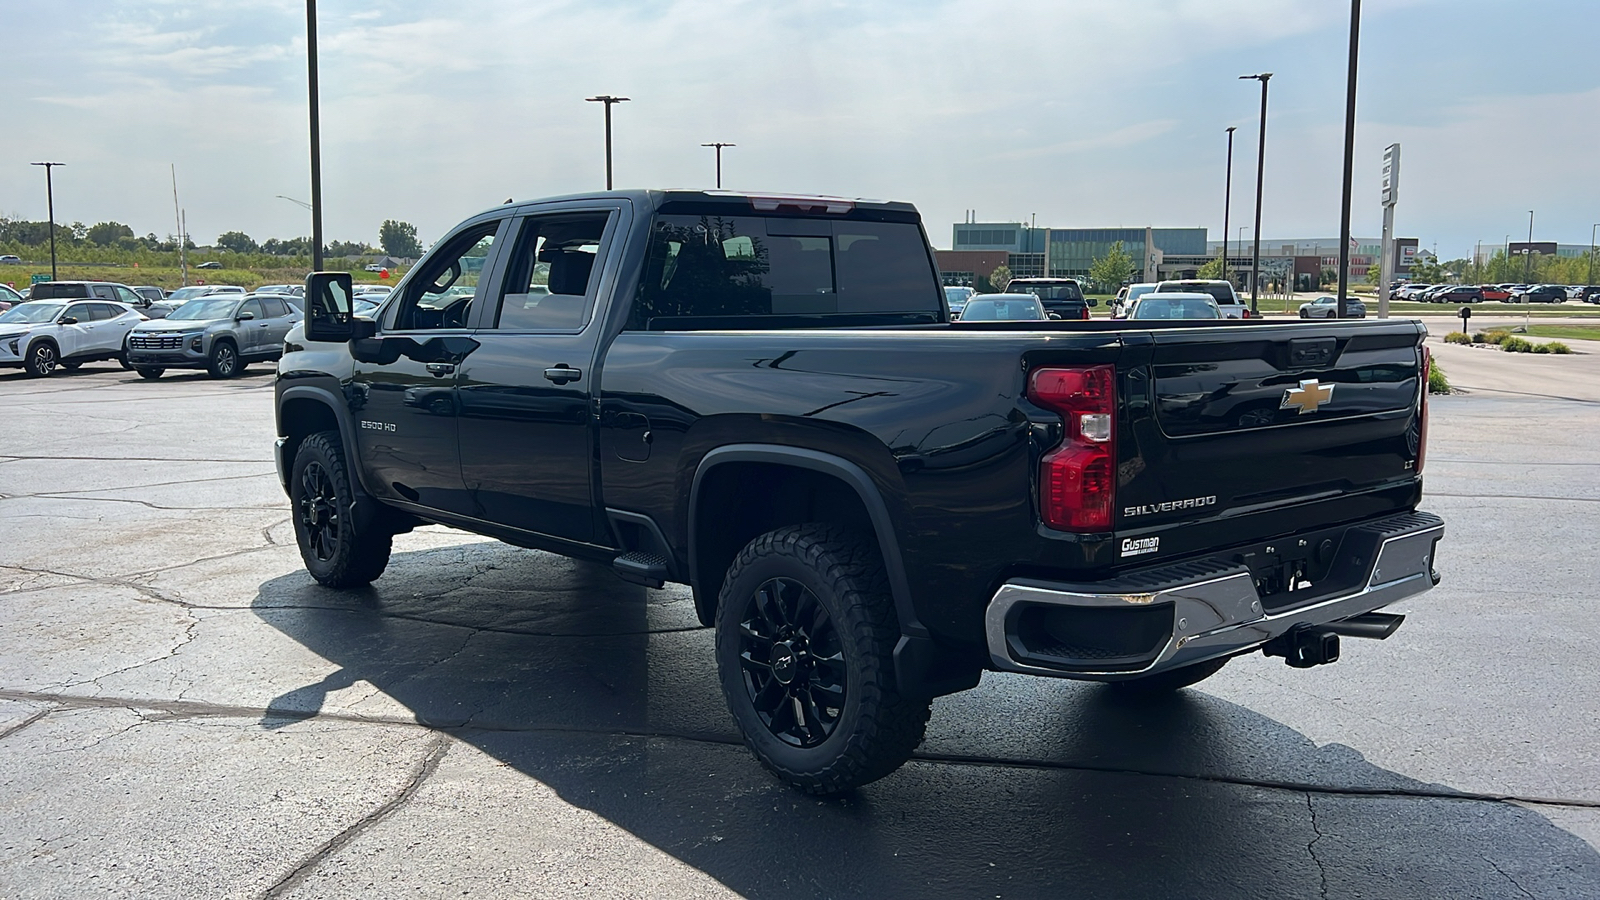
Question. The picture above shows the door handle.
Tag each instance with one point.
(563, 373)
(440, 370)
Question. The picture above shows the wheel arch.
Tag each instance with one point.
(804, 483)
(304, 410)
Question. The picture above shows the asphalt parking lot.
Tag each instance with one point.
(185, 713)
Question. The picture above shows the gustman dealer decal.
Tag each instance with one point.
(1140, 546)
(1169, 506)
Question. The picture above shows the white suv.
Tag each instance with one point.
(1221, 291)
(42, 335)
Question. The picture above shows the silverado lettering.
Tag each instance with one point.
(1169, 506)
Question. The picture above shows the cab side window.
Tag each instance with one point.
(443, 293)
(551, 278)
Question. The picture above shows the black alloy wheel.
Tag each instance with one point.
(794, 671)
(806, 631)
(338, 550)
(318, 508)
(42, 359)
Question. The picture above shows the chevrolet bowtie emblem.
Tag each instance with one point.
(1308, 397)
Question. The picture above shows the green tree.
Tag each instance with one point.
(237, 242)
(399, 239)
(999, 278)
(1111, 270)
(1426, 270)
(1211, 270)
(107, 234)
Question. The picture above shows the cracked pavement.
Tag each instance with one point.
(184, 713)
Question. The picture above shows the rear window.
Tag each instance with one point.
(50, 290)
(706, 270)
(1154, 306)
(1222, 293)
(1061, 290)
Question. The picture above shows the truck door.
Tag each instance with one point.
(403, 390)
(526, 454)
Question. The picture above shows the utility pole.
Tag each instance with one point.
(177, 222)
(1227, 201)
(1261, 165)
(1349, 170)
(50, 198)
(609, 101)
(316, 137)
(717, 144)
(1527, 252)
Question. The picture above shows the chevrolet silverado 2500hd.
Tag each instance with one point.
(764, 398)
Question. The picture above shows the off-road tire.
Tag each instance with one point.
(43, 357)
(150, 373)
(224, 360)
(1170, 680)
(876, 728)
(320, 494)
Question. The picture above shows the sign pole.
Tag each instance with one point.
(1391, 194)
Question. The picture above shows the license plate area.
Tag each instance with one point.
(1294, 570)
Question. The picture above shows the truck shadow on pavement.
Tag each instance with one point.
(606, 693)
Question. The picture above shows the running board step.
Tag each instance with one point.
(639, 567)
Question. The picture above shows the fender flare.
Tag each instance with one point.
(347, 432)
(837, 467)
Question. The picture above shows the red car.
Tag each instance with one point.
(1494, 292)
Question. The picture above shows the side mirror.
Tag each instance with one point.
(328, 315)
(1093, 302)
(244, 317)
(69, 320)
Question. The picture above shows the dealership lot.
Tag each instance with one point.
(183, 712)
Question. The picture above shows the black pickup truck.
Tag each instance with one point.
(763, 397)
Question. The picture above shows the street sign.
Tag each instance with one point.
(1391, 174)
(39, 279)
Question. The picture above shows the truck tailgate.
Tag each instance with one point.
(1229, 436)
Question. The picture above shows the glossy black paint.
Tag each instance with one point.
(936, 417)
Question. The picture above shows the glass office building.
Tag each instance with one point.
(1072, 251)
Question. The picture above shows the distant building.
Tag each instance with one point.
(978, 247)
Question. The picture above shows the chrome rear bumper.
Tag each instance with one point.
(1182, 614)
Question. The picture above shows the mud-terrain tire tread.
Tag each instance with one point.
(361, 557)
(887, 727)
(1170, 680)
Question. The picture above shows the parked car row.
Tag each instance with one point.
(1504, 293)
(219, 328)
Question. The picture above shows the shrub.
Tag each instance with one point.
(1515, 345)
(1437, 383)
(1479, 338)
(1557, 348)
(1496, 337)
(1457, 337)
(1540, 348)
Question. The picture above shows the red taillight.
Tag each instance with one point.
(1085, 315)
(1244, 313)
(1077, 479)
(1422, 409)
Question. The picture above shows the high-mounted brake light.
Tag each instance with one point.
(1422, 408)
(772, 202)
(1077, 479)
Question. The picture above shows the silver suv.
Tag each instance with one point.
(219, 333)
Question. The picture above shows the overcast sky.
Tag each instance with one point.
(1084, 112)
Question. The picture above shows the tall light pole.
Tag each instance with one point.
(1343, 310)
(1227, 200)
(1261, 164)
(1527, 252)
(50, 198)
(316, 137)
(609, 101)
(1591, 253)
(719, 145)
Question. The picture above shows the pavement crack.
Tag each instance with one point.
(1507, 876)
(26, 722)
(1311, 847)
(420, 773)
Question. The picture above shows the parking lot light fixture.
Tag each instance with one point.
(50, 199)
(1261, 164)
(1227, 201)
(609, 101)
(719, 145)
(316, 136)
